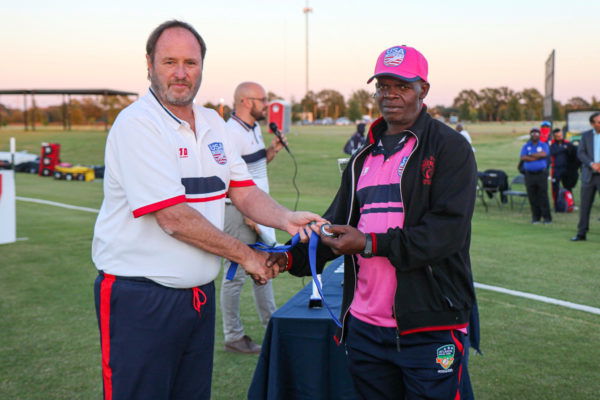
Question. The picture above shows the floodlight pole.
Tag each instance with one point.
(306, 11)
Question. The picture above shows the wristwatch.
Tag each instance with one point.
(368, 251)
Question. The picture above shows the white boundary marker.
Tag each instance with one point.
(543, 299)
(53, 203)
(483, 286)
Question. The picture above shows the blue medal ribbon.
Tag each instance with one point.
(312, 258)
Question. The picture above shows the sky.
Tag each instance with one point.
(469, 44)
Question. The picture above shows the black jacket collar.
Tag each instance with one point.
(379, 126)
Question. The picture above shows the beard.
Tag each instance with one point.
(167, 97)
(257, 114)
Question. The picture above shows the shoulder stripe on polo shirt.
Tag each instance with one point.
(202, 185)
(158, 206)
(248, 182)
(379, 194)
(254, 157)
(165, 108)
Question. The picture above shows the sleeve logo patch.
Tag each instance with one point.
(218, 152)
(445, 357)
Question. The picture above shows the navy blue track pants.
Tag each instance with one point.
(157, 342)
(423, 365)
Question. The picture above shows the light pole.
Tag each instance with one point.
(306, 11)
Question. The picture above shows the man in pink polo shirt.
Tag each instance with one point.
(402, 219)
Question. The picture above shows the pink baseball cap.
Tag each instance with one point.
(401, 62)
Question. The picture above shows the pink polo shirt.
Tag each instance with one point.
(381, 208)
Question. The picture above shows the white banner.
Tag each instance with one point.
(8, 220)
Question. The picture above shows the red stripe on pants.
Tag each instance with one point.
(105, 294)
(461, 349)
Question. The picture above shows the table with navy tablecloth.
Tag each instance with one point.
(299, 358)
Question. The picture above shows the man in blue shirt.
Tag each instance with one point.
(589, 155)
(535, 162)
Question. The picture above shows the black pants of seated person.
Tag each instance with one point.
(537, 192)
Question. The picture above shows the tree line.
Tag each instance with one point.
(488, 104)
(505, 104)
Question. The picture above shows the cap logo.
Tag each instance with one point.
(393, 57)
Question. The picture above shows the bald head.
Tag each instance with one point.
(250, 102)
(247, 89)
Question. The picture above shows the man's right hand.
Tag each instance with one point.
(596, 167)
(257, 268)
(277, 261)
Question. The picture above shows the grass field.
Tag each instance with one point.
(49, 345)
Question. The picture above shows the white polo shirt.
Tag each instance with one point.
(153, 161)
(250, 145)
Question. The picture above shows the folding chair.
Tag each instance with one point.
(492, 183)
(511, 192)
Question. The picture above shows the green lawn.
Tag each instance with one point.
(49, 338)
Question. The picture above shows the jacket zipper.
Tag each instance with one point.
(404, 208)
(397, 329)
(409, 157)
(353, 180)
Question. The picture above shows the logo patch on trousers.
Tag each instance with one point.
(445, 357)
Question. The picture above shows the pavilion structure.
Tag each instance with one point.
(29, 120)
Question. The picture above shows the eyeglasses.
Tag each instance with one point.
(261, 99)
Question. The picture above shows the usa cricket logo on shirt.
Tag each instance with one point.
(393, 57)
(445, 357)
(402, 165)
(218, 152)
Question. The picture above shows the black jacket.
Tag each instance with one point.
(431, 252)
(585, 153)
(564, 155)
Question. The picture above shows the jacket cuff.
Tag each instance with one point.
(381, 244)
(373, 243)
(289, 261)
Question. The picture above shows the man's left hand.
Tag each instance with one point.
(276, 144)
(298, 222)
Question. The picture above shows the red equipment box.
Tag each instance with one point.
(49, 158)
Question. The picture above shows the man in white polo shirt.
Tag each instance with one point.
(250, 105)
(158, 238)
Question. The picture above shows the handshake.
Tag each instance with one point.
(265, 266)
(342, 239)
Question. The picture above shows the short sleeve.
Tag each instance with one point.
(146, 165)
(239, 175)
